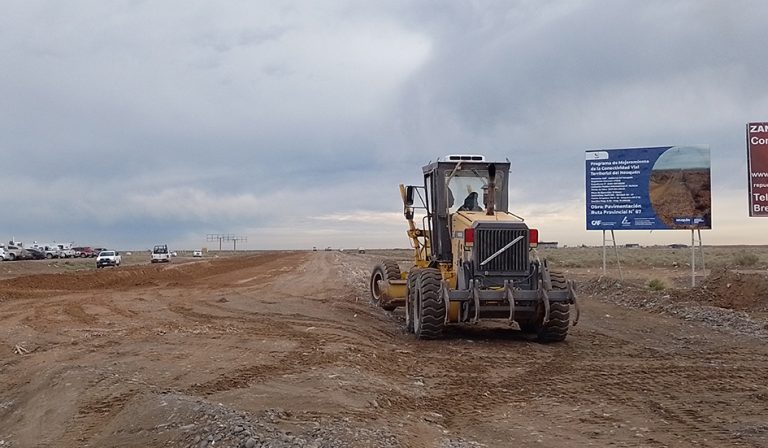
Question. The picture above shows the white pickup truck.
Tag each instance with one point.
(66, 251)
(160, 254)
(108, 258)
(14, 252)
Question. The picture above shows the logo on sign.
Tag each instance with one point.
(596, 222)
(625, 221)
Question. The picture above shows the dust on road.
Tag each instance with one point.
(284, 349)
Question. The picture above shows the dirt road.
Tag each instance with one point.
(283, 349)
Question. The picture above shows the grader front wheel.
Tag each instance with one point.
(556, 329)
(428, 306)
(383, 271)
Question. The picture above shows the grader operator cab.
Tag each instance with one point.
(473, 258)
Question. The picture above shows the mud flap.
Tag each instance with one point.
(476, 300)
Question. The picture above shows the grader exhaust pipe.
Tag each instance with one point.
(490, 195)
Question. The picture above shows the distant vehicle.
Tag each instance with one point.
(160, 254)
(96, 250)
(35, 253)
(197, 253)
(52, 251)
(328, 248)
(174, 254)
(14, 252)
(360, 250)
(108, 258)
(84, 252)
(314, 248)
(66, 251)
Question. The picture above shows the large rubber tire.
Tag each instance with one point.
(428, 307)
(556, 330)
(384, 270)
(11, 256)
(410, 297)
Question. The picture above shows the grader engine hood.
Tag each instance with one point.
(500, 248)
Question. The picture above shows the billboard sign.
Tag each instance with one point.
(757, 164)
(666, 187)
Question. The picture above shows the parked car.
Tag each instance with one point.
(108, 258)
(84, 252)
(35, 253)
(66, 251)
(97, 250)
(197, 253)
(14, 252)
(52, 251)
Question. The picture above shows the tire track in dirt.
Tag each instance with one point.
(92, 416)
(297, 324)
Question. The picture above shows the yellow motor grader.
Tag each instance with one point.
(474, 259)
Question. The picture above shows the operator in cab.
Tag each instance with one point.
(471, 204)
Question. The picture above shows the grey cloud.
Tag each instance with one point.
(141, 120)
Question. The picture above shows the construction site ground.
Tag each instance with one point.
(283, 349)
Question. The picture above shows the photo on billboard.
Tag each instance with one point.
(679, 188)
(666, 187)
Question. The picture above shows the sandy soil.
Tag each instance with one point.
(284, 349)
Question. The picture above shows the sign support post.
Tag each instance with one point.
(605, 270)
(616, 251)
(694, 233)
(693, 260)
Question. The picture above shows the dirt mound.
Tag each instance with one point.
(722, 288)
(737, 290)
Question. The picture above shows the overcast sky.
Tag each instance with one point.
(130, 123)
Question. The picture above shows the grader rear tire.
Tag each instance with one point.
(428, 306)
(384, 270)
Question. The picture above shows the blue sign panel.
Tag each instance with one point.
(666, 187)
